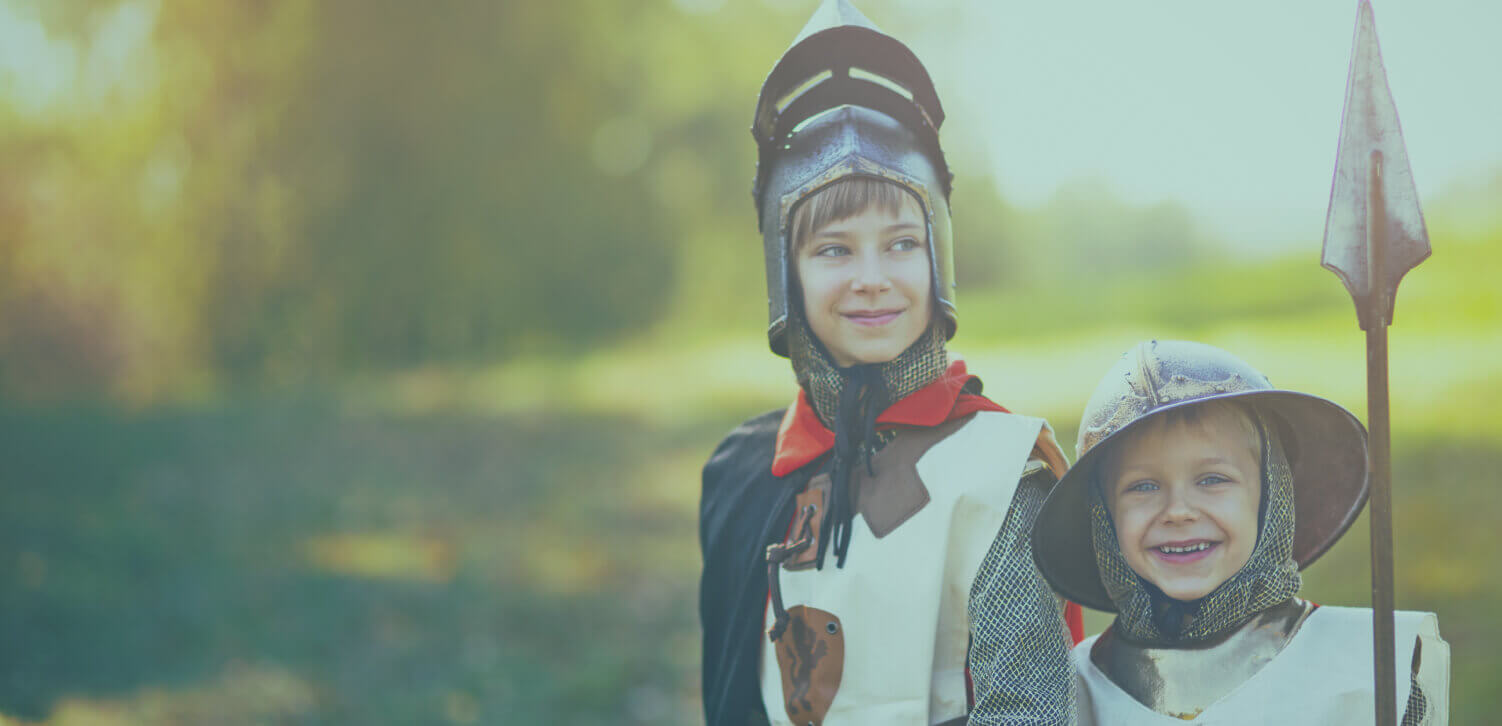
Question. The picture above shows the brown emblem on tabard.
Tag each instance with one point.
(810, 508)
(896, 492)
(811, 656)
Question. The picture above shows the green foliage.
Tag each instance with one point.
(1184, 298)
(319, 189)
(467, 216)
(1085, 233)
(313, 189)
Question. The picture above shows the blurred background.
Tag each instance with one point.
(358, 358)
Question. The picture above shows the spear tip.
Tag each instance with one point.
(1372, 205)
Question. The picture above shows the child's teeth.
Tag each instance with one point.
(1188, 548)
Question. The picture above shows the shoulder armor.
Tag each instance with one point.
(1037, 471)
(1047, 453)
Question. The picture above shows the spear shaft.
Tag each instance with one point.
(1380, 453)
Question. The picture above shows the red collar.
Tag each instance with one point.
(803, 437)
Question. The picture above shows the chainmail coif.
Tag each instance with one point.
(1270, 576)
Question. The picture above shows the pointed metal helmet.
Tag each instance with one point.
(847, 100)
(1325, 446)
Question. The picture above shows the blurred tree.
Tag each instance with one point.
(456, 213)
(988, 246)
(1087, 232)
(99, 296)
(1084, 232)
(279, 189)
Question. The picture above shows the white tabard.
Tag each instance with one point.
(902, 598)
(1322, 677)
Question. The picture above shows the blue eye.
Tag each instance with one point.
(1213, 479)
(1143, 486)
(905, 244)
(831, 251)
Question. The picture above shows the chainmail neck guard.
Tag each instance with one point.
(848, 400)
(1270, 576)
(921, 364)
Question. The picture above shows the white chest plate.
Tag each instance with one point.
(902, 598)
(1323, 677)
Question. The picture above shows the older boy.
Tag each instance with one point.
(843, 536)
(1180, 517)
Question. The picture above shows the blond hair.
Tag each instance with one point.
(1192, 415)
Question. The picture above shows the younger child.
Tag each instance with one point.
(1199, 494)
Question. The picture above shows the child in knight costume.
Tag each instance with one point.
(1199, 494)
(842, 538)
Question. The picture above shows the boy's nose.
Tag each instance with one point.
(1178, 508)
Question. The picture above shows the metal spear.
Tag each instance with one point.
(1374, 234)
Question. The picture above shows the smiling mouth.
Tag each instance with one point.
(1183, 552)
(873, 318)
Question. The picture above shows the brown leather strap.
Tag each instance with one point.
(776, 555)
(814, 495)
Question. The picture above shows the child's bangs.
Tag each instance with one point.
(842, 200)
(1197, 416)
(1200, 414)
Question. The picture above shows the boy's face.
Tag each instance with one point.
(867, 285)
(1184, 498)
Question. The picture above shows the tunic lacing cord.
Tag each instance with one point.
(776, 555)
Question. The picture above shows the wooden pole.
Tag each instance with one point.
(1379, 449)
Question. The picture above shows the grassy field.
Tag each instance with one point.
(518, 545)
(300, 566)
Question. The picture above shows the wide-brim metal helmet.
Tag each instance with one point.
(847, 100)
(1325, 446)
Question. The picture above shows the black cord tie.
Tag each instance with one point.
(862, 399)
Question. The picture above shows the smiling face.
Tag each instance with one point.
(867, 282)
(1183, 492)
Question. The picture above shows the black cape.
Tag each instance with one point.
(744, 508)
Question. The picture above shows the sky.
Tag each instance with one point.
(1232, 109)
(45, 73)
